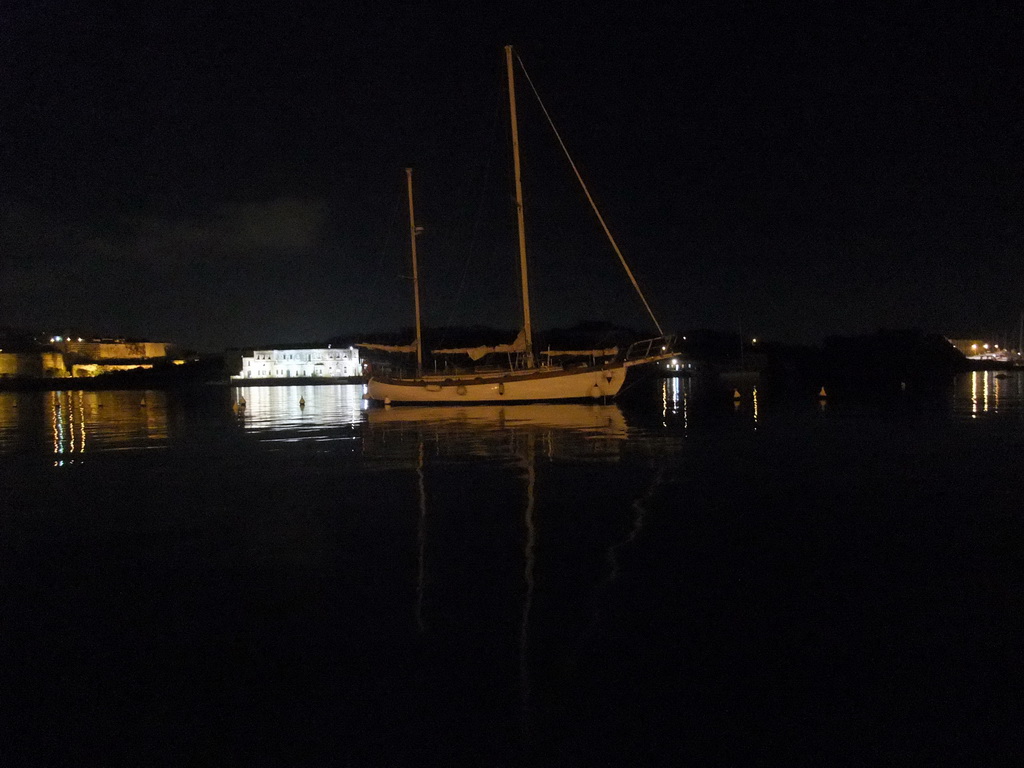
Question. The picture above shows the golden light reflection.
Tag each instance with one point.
(54, 421)
(686, 407)
(81, 421)
(67, 425)
(103, 420)
(755, 407)
(991, 390)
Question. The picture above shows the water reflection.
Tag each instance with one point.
(299, 412)
(581, 431)
(421, 540)
(472, 519)
(989, 392)
(529, 566)
(519, 578)
(675, 399)
(68, 423)
(65, 417)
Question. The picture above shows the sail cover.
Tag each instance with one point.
(389, 347)
(475, 353)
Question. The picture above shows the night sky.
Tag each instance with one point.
(232, 174)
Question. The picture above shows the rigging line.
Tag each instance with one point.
(463, 190)
(586, 191)
(485, 175)
(371, 287)
(446, 242)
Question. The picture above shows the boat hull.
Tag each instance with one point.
(539, 386)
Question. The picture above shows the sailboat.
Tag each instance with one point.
(531, 381)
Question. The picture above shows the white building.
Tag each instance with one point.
(291, 363)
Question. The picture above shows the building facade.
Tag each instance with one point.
(60, 357)
(301, 363)
(32, 365)
(111, 349)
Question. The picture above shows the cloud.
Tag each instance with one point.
(28, 232)
(244, 232)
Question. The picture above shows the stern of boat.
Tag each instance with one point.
(650, 351)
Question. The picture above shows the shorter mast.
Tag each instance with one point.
(527, 331)
(413, 232)
(1020, 338)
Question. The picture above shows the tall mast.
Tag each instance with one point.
(413, 232)
(527, 330)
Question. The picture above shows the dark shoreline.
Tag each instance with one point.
(104, 383)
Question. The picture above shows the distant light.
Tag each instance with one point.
(60, 338)
(684, 338)
(675, 362)
(753, 341)
(986, 346)
(974, 346)
(79, 338)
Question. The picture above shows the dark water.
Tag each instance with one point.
(673, 580)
